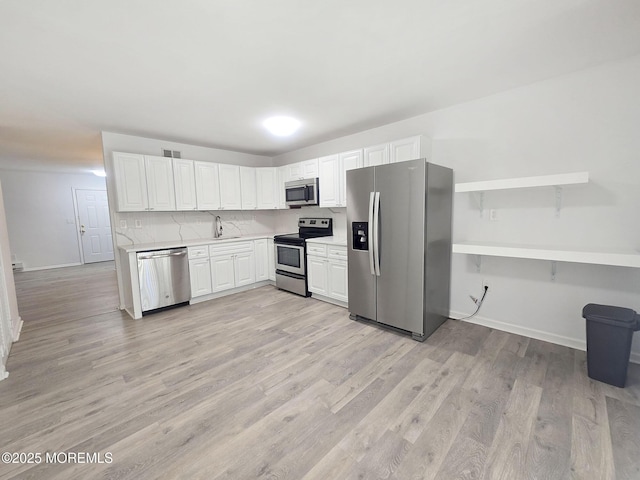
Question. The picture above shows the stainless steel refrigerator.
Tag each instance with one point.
(399, 239)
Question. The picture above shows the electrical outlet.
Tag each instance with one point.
(123, 224)
(493, 214)
(485, 283)
(138, 223)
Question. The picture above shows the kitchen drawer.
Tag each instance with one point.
(316, 249)
(201, 251)
(230, 248)
(337, 252)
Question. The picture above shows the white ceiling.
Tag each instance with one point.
(207, 72)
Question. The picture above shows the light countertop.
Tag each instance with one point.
(335, 240)
(143, 247)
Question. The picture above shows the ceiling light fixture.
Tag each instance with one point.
(99, 173)
(281, 126)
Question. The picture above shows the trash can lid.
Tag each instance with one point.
(623, 317)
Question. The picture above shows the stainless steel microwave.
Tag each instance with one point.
(301, 192)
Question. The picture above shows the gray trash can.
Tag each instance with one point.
(609, 334)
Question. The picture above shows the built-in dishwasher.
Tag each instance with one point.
(164, 278)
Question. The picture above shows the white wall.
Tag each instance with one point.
(40, 215)
(584, 121)
(10, 323)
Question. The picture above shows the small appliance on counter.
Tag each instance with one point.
(301, 192)
(291, 254)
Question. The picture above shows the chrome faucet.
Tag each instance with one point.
(217, 230)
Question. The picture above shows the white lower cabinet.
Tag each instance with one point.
(199, 270)
(271, 256)
(317, 275)
(222, 266)
(337, 280)
(262, 260)
(244, 268)
(200, 276)
(232, 265)
(222, 274)
(327, 271)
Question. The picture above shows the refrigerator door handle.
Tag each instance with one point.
(370, 233)
(376, 233)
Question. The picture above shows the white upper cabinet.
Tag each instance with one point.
(329, 174)
(266, 188)
(301, 170)
(185, 184)
(248, 198)
(293, 172)
(310, 168)
(143, 183)
(230, 198)
(283, 171)
(348, 161)
(160, 189)
(131, 182)
(405, 149)
(207, 186)
(147, 182)
(333, 177)
(376, 155)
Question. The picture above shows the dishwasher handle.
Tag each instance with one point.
(162, 254)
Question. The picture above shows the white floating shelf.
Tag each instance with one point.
(525, 182)
(618, 258)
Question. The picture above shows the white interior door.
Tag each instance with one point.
(95, 228)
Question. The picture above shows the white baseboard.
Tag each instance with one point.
(322, 298)
(49, 267)
(576, 343)
(231, 291)
(17, 329)
(3, 372)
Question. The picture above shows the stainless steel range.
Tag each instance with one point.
(291, 254)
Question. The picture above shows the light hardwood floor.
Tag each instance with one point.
(266, 384)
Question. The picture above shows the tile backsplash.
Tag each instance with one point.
(150, 227)
(287, 220)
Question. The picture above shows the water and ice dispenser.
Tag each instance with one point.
(360, 232)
